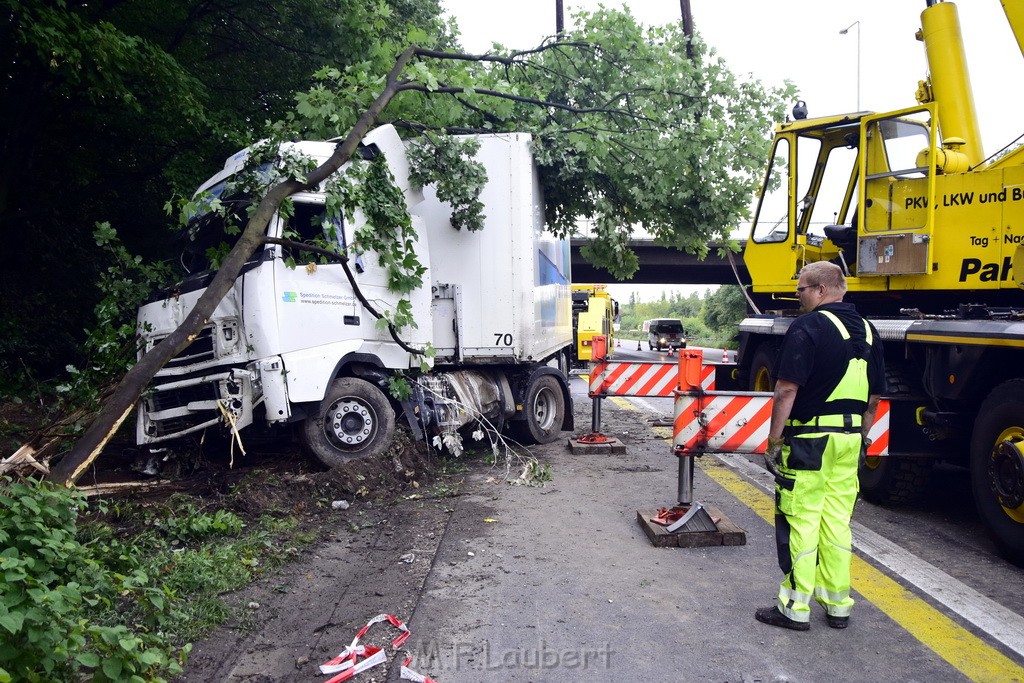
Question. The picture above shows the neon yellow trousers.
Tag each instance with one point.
(814, 502)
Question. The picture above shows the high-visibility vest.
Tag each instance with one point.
(852, 387)
(854, 384)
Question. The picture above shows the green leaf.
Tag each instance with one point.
(89, 659)
(112, 668)
(12, 621)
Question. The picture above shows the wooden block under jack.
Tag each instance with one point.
(709, 527)
(610, 446)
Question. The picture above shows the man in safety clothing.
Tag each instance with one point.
(829, 375)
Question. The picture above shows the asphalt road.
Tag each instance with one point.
(561, 583)
(513, 583)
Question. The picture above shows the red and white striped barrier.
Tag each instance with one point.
(708, 421)
(611, 378)
(633, 379)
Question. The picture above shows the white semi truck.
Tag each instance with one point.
(295, 345)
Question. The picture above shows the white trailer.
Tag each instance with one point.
(295, 345)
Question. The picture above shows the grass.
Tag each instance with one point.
(195, 555)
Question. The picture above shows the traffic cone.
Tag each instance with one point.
(671, 350)
(638, 345)
(725, 355)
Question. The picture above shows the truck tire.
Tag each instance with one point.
(895, 480)
(997, 467)
(544, 410)
(761, 369)
(354, 420)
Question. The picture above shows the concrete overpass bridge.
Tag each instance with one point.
(661, 265)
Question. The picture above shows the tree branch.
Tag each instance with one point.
(408, 85)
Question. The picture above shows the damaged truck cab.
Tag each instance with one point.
(294, 344)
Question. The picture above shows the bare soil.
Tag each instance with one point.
(369, 558)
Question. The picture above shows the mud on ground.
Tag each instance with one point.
(373, 558)
(366, 559)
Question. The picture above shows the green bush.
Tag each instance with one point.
(56, 600)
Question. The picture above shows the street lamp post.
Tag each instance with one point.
(843, 33)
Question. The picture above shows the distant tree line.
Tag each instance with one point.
(713, 316)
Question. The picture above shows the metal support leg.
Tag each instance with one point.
(595, 420)
(685, 493)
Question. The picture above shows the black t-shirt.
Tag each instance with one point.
(815, 356)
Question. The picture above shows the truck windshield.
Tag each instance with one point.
(211, 235)
(674, 327)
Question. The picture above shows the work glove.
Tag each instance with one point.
(773, 456)
(864, 443)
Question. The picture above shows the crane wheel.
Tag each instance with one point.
(895, 480)
(997, 467)
(761, 369)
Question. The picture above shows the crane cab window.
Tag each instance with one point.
(895, 182)
(771, 224)
(833, 192)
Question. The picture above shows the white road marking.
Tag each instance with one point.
(997, 621)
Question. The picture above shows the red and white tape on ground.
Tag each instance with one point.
(357, 658)
(410, 675)
(349, 664)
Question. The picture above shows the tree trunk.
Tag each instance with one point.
(115, 409)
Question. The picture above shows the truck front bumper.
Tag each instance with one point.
(176, 409)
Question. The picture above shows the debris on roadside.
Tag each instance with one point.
(357, 658)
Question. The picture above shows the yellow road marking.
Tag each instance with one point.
(959, 647)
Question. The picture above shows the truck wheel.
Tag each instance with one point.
(354, 420)
(761, 370)
(997, 467)
(544, 409)
(894, 480)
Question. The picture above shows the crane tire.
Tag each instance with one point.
(895, 480)
(997, 467)
(761, 369)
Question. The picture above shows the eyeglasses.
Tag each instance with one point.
(800, 289)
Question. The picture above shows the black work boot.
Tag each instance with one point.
(837, 622)
(773, 617)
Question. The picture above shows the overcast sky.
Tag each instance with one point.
(799, 40)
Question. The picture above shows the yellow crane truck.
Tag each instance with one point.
(930, 233)
(594, 312)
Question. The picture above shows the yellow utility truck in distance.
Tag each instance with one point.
(594, 312)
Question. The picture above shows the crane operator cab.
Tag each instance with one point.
(878, 195)
(818, 185)
(904, 201)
